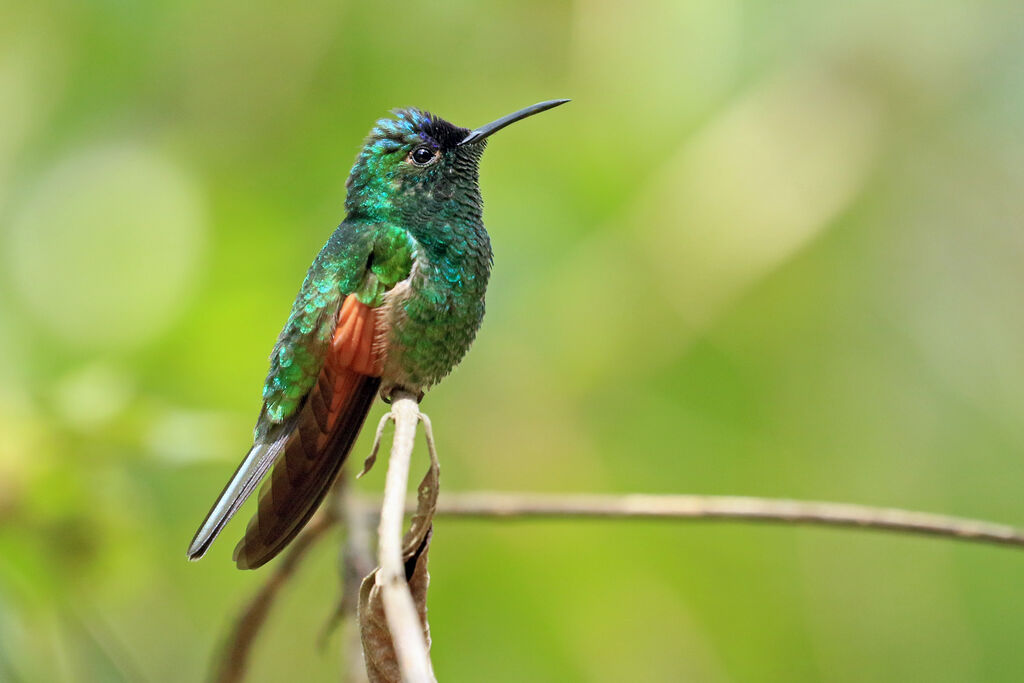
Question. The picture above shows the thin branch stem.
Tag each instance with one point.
(357, 562)
(403, 620)
(235, 655)
(530, 505)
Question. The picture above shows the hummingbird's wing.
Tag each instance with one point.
(326, 427)
(324, 375)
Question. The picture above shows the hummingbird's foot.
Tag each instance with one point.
(387, 392)
(372, 457)
(428, 432)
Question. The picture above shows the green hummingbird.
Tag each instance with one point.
(392, 301)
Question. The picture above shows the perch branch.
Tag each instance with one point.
(403, 620)
(632, 506)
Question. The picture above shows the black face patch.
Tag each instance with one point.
(446, 134)
(433, 128)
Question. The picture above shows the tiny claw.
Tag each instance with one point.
(372, 458)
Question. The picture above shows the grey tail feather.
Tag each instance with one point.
(243, 482)
(304, 473)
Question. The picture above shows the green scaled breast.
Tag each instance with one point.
(436, 318)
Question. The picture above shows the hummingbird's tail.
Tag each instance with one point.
(241, 485)
(307, 450)
(308, 454)
(313, 453)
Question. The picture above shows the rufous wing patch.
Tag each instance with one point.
(353, 347)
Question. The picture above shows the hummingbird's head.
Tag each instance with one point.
(408, 163)
(416, 165)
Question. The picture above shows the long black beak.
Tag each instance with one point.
(494, 126)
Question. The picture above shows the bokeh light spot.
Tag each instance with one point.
(93, 395)
(104, 248)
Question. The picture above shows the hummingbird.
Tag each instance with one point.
(392, 301)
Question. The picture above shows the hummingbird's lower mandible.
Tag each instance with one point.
(392, 301)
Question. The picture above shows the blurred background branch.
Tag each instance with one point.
(231, 665)
(737, 508)
(360, 512)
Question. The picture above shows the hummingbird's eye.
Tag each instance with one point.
(421, 156)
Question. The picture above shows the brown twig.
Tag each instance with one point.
(235, 653)
(355, 556)
(512, 506)
(357, 563)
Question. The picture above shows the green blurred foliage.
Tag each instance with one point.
(769, 249)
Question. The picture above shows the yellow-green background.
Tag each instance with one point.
(770, 248)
